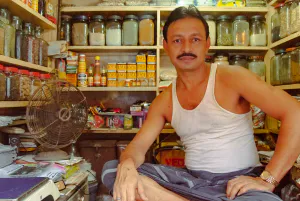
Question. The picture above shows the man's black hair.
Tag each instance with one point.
(181, 13)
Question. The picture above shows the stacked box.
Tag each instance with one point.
(151, 70)
(121, 74)
(141, 67)
(71, 68)
(112, 74)
(131, 71)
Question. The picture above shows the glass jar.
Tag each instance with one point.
(17, 24)
(240, 31)
(257, 65)
(97, 31)
(146, 30)
(2, 83)
(42, 48)
(45, 78)
(25, 85)
(239, 60)
(80, 30)
(224, 31)
(162, 24)
(114, 31)
(221, 59)
(130, 30)
(258, 36)
(289, 4)
(296, 63)
(286, 75)
(284, 20)
(65, 28)
(2, 33)
(12, 84)
(276, 65)
(28, 51)
(35, 82)
(9, 34)
(295, 16)
(212, 28)
(275, 24)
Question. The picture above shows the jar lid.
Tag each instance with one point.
(290, 49)
(128, 17)
(279, 5)
(241, 17)
(35, 74)
(1, 67)
(24, 72)
(27, 24)
(66, 17)
(14, 69)
(256, 57)
(208, 17)
(224, 17)
(279, 51)
(257, 17)
(97, 17)
(146, 17)
(45, 76)
(82, 18)
(238, 56)
(115, 17)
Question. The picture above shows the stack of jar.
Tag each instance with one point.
(285, 66)
(25, 44)
(132, 31)
(285, 20)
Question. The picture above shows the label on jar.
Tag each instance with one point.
(97, 79)
(82, 80)
(103, 81)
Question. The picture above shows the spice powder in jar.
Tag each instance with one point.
(146, 30)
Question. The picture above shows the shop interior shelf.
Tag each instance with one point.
(118, 89)
(261, 131)
(17, 7)
(290, 86)
(122, 131)
(10, 104)
(287, 42)
(274, 2)
(235, 48)
(102, 48)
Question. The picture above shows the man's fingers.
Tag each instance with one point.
(123, 193)
(246, 188)
(141, 190)
(235, 189)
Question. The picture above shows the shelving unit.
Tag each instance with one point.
(11, 104)
(122, 131)
(105, 48)
(289, 87)
(95, 89)
(288, 41)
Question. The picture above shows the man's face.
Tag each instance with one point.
(187, 44)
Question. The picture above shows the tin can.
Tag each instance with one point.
(82, 80)
(128, 122)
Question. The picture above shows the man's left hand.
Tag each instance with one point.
(242, 184)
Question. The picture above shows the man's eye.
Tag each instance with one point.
(176, 41)
(196, 40)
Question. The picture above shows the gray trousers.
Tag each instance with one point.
(193, 185)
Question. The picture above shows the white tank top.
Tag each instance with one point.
(215, 139)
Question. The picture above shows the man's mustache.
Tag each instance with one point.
(186, 55)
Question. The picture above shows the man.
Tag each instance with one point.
(208, 105)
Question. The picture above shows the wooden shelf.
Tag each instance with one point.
(261, 131)
(76, 9)
(274, 131)
(122, 131)
(234, 48)
(118, 89)
(102, 48)
(287, 42)
(10, 104)
(290, 86)
(274, 2)
(17, 7)
(23, 64)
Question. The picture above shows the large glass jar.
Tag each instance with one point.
(295, 16)
(17, 24)
(221, 59)
(80, 30)
(45, 78)
(130, 30)
(9, 35)
(25, 84)
(212, 28)
(289, 4)
(258, 36)
(35, 82)
(275, 24)
(224, 31)
(65, 28)
(2, 34)
(296, 63)
(284, 20)
(42, 48)
(2, 83)
(286, 75)
(97, 30)
(257, 65)
(239, 60)
(114, 31)
(240, 31)
(276, 65)
(12, 84)
(28, 45)
(146, 30)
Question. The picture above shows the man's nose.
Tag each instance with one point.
(187, 46)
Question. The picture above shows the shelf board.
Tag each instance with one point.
(234, 48)
(10, 104)
(261, 131)
(23, 64)
(76, 9)
(274, 131)
(122, 131)
(101, 48)
(117, 88)
(221, 9)
(286, 42)
(290, 86)
(17, 7)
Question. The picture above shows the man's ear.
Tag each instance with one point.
(165, 45)
(207, 44)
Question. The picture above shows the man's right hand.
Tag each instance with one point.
(128, 183)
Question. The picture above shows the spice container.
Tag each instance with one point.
(284, 20)
(2, 83)
(25, 85)
(295, 16)
(286, 75)
(80, 30)
(114, 31)
(239, 60)
(258, 35)
(28, 52)
(276, 65)
(256, 65)
(289, 4)
(12, 84)
(9, 33)
(45, 78)
(65, 28)
(296, 63)
(42, 48)
(146, 30)
(162, 24)
(224, 31)
(221, 59)
(97, 31)
(212, 28)
(240, 31)
(35, 82)
(275, 24)
(17, 24)
(130, 30)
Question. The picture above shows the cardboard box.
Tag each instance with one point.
(151, 59)
(121, 67)
(111, 67)
(112, 75)
(121, 75)
(141, 67)
(141, 75)
(141, 58)
(151, 67)
(131, 67)
(131, 75)
(111, 82)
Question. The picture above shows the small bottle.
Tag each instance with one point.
(97, 73)
(91, 76)
(103, 78)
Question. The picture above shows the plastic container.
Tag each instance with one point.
(97, 31)
(295, 16)
(212, 28)
(25, 85)
(258, 36)
(66, 28)
(240, 31)
(35, 82)
(17, 24)
(45, 78)
(80, 30)
(221, 59)
(296, 64)
(130, 30)
(284, 20)
(9, 33)
(28, 52)
(42, 48)
(239, 60)
(224, 31)
(146, 30)
(2, 83)
(275, 24)
(276, 64)
(257, 65)
(12, 84)
(114, 31)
